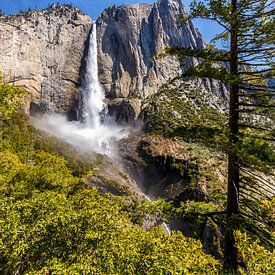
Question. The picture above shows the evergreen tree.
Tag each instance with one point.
(249, 26)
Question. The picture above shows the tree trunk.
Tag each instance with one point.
(233, 162)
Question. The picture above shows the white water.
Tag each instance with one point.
(96, 133)
(92, 92)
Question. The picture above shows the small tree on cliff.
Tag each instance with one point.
(249, 26)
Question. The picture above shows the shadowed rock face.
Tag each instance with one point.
(130, 37)
(42, 51)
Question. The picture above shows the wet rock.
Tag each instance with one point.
(125, 111)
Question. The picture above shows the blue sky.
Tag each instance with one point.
(95, 7)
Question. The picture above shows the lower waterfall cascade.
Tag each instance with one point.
(96, 132)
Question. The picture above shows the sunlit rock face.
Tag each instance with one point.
(42, 51)
(130, 38)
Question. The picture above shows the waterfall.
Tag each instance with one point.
(93, 96)
(96, 133)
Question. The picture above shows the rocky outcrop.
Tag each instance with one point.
(42, 51)
(188, 176)
(173, 169)
(130, 38)
(125, 110)
(160, 166)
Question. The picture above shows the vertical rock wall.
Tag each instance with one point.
(42, 51)
(130, 38)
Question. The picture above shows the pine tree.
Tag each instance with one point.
(249, 26)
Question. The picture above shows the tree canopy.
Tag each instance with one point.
(245, 68)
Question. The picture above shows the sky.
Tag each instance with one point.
(95, 7)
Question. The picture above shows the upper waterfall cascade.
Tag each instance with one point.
(96, 133)
(93, 95)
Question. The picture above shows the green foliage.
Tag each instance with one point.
(157, 210)
(10, 99)
(259, 260)
(195, 214)
(183, 112)
(257, 218)
(257, 152)
(52, 222)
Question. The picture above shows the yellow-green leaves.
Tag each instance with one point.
(10, 99)
(55, 231)
(259, 260)
(50, 222)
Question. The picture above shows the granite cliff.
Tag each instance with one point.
(130, 38)
(44, 51)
